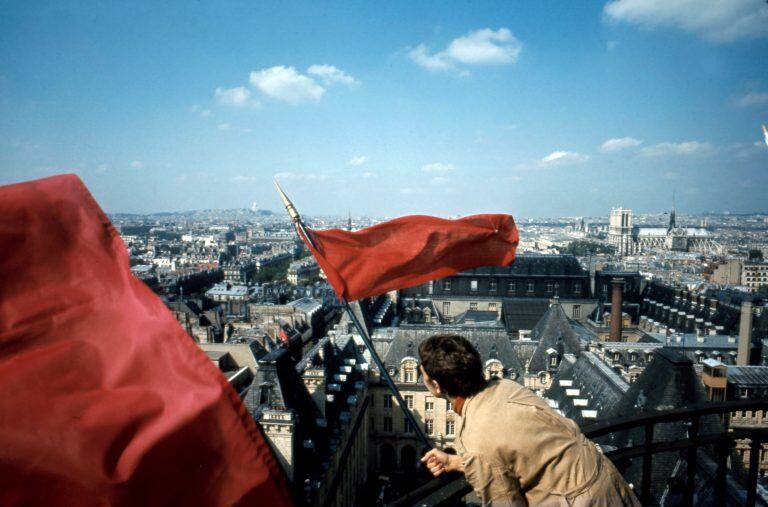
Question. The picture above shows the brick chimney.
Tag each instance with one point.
(745, 334)
(617, 296)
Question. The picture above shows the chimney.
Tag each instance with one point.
(616, 300)
(745, 334)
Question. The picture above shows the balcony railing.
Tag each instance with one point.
(449, 490)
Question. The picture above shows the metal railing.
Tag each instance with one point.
(448, 490)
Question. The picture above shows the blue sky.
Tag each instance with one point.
(445, 108)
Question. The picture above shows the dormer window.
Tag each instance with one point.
(492, 285)
(473, 285)
(408, 370)
(447, 285)
(512, 288)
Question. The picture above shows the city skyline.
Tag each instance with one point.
(525, 109)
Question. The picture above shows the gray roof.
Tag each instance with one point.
(748, 376)
(669, 381)
(491, 343)
(533, 265)
(553, 331)
(306, 305)
(596, 382)
(523, 313)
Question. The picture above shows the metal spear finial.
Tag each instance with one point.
(289, 207)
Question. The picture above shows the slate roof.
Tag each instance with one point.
(523, 313)
(668, 382)
(553, 331)
(491, 343)
(600, 386)
(748, 376)
(532, 265)
(478, 318)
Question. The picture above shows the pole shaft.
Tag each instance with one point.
(387, 378)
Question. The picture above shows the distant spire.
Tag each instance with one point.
(672, 221)
(349, 221)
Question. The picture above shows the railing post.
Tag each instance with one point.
(755, 447)
(723, 449)
(693, 436)
(645, 487)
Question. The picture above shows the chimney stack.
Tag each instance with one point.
(745, 334)
(617, 296)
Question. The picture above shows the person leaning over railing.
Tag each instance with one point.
(512, 447)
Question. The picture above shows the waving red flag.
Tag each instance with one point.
(104, 399)
(411, 250)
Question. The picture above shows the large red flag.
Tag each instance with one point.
(411, 250)
(104, 399)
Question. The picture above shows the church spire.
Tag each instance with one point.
(672, 221)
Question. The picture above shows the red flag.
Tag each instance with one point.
(411, 250)
(104, 399)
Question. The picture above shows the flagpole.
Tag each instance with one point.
(301, 231)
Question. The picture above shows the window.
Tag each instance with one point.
(577, 288)
(491, 307)
(407, 428)
(512, 288)
(550, 287)
(553, 360)
(409, 401)
(492, 286)
(446, 308)
(387, 425)
(387, 401)
(429, 403)
(473, 306)
(449, 427)
(576, 311)
(530, 287)
(429, 426)
(473, 285)
(409, 375)
(447, 285)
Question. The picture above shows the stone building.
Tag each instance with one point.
(314, 414)
(629, 239)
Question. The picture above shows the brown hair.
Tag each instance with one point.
(454, 363)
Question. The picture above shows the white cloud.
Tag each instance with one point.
(420, 55)
(438, 167)
(137, 164)
(223, 126)
(753, 99)
(618, 144)
(357, 161)
(202, 112)
(285, 84)
(369, 174)
(439, 180)
(329, 75)
(560, 158)
(238, 97)
(718, 21)
(301, 176)
(481, 47)
(685, 148)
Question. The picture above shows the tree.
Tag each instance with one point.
(755, 255)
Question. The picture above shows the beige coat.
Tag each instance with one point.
(516, 450)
